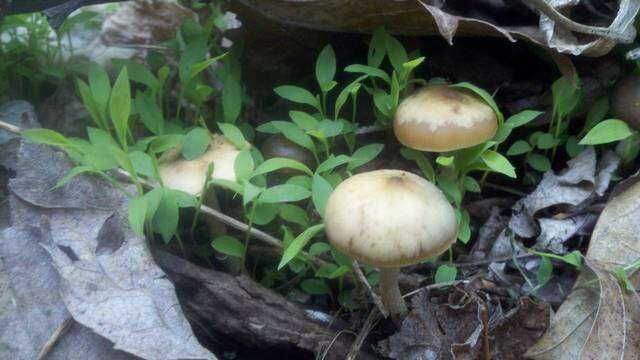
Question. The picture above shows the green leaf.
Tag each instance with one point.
(137, 214)
(573, 258)
(292, 132)
(396, 52)
(573, 148)
(484, 95)
(229, 245)
(227, 184)
(298, 95)
(139, 73)
(194, 52)
(597, 112)
(326, 66)
(300, 180)
(284, 193)
(305, 121)
(446, 273)
(274, 164)
(200, 66)
(330, 128)
(333, 162)
(233, 134)
(412, 64)
(421, 160)
(319, 248)
(100, 86)
(265, 213)
(369, 71)
(342, 98)
(89, 103)
(185, 200)
(120, 106)
(607, 131)
(250, 192)
(464, 232)
(165, 142)
(566, 97)
(46, 136)
(539, 162)
(377, 48)
(195, 143)
(165, 219)
(294, 214)
(545, 270)
(71, 174)
(445, 160)
(315, 287)
(243, 165)
(321, 189)
(153, 201)
(150, 113)
(298, 244)
(363, 155)
(231, 98)
(518, 148)
(522, 118)
(142, 164)
(546, 141)
(470, 184)
(498, 163)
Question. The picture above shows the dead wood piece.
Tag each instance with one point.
(241, 309)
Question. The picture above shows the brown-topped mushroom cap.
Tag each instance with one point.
(189, 175)
(441, 118)
(389, 218)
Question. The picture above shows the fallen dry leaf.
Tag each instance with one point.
(598, 320)
(108, 280)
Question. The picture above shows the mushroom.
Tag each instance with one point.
(441, 118)
(625, 101)
(389, 219)
(279, 146)
(189, 175)
(185, 175)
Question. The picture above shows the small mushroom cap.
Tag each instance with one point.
(625, 101)
(441, 118)
(279, 146)
(189, 175)
(389, 218)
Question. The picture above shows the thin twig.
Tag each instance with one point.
(373, 317)
(9, 127)
(487, 261)
(437, 286)
(57, 334)
(374, 297)
(506, 189)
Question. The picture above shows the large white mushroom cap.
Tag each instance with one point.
(389, 218)
(441, 118)
(189, 175)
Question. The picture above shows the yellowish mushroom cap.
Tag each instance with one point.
(441, 118)
(389, 218)
(189, 175)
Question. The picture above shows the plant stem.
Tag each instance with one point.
(390, 292)
(247, 236)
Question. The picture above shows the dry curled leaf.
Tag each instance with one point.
(429, 17)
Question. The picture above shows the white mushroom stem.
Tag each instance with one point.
(390, 292)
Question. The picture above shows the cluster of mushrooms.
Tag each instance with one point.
(385, 218)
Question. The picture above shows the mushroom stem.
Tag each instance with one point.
(390, 292)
